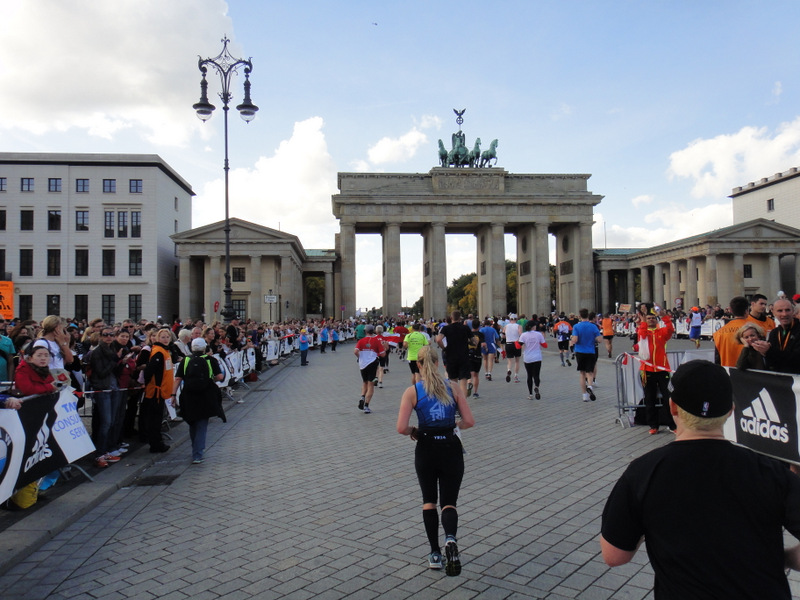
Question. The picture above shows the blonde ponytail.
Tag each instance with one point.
(435, 387)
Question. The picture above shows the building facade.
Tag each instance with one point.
(776, 198)
(268, 273)
(88, 235)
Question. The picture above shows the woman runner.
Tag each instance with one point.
(439, 456)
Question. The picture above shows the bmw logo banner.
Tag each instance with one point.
(765, 413)
(43, 435)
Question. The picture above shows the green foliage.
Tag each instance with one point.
(456, 294)
(315, 294)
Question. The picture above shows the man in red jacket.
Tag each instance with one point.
(654, 370)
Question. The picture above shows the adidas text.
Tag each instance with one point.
(765, 429)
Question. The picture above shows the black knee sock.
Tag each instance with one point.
(450, 521)
(430, 517)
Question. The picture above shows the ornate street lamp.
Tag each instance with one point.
(226, 65)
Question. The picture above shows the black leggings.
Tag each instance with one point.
(533, 369)
(440, 469)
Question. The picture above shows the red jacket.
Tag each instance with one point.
(29, 382)
(657, 340)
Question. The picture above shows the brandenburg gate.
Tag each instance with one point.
(487, 202)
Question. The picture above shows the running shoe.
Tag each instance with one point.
(198, 461)
(530, 397)
(100, 462)
(569, 364)
(469, 389)
(380, 384)
(476, 395)
(367, 409)
(435, 560)
(653, 431)
(110, 458)
(490, 376)
(361, 403)
(375, 380)
(516, 379)
(453, 564)
(508, 376)
(536, 392)
(590, 391)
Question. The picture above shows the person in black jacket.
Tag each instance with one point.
(782, 347)
(102, 364)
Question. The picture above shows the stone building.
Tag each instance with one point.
(87, 235)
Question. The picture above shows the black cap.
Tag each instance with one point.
(702, 388)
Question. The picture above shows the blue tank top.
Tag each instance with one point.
(432, 414)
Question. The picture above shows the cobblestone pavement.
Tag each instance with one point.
(304, 496)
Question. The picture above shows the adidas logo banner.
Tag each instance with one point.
(765, 414)
(43, 435)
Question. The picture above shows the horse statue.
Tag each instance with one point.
(475, 154)
(459, 155)
(490, 154)
(442, 154)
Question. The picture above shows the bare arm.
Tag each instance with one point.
(407, 402)
(616, 557)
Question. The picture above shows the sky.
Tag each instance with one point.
(668, 105)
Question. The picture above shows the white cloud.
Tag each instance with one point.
(564, 110)
(393, 150)
(777, 90)
(640, 200)
(719, 164)
(128, 64)
(290, 190)
(662, 226)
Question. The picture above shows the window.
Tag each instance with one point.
(109, 263)
(748, 271)
(2, 263)
(81, 220)
(109, 224)
(136, 223)
(770, 204)
(122, 224)
(81, 307)
(175, 227)
(135, 186)
(107, 312)
(82, 186)
(53, 220)
(26, 262)
(238, 273)
(109, 186)
(54, 185)
(3, 184)
(25, 307)
(53, 304)
(26, 184)
(134, 262)
(240, 308)
(26, 220)
(135, 307)
(81, 262)
(176, 204)
(3, 219)
(53, 262)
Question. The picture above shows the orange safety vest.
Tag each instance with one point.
(151, 390)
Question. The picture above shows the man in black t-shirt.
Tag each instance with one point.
(456, 351)
(712, 513)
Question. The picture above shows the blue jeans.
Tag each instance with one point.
(104, 407)
(197, 433)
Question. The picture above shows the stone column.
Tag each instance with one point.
(526, 268)
(646, 284)
(542, 300)
(774, 275)
(738, 274)
(434, 258)
(185, 290)
(712, 295)
(347, 242)
(585, 272)
(329, 308)
(674, 284)
(497, 275)
(658, 284)
(215, 286)
(392, 301)
(630, 279)
(604, 291)
(691, 298)
(796, 275)
(286, 291)
(256, 308)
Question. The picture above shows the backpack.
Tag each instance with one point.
(197, 374)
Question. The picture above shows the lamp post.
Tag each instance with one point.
(226, 65)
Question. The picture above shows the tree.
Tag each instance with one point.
(315, 294)
(456, 294)
(511, 286)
